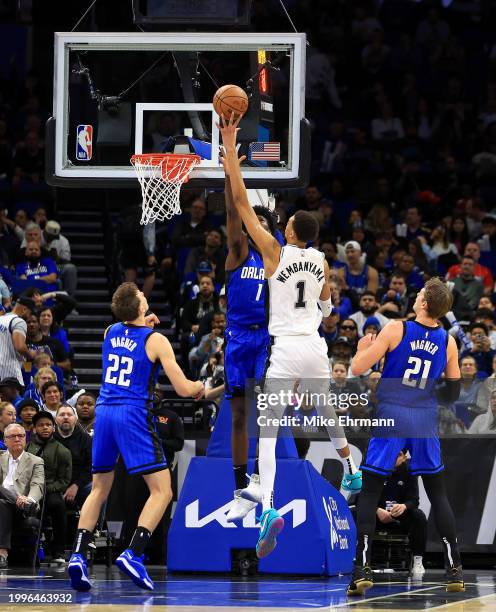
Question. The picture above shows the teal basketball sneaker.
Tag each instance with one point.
(352, 483)
(271, 524)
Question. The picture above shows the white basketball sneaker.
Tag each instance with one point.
(240, 508)
(418, 570)
(253, 491)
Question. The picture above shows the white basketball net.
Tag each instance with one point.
(161, 178)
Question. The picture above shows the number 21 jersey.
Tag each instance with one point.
(128, 374)
(294, 291)
(413, 368)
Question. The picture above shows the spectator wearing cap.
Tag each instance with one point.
(59, 302)
(37, 267)
(213, 251)
(357, 275)
(85, 408)
(368, 307)
(371, 326)
(481, 273)
(191, 285)
(8, 415)
(11, 390)
(341, 350)
(13, 332)
(58, 470)
(60, 251)
(52, 393)
(78, 443)
(38, 342)
(26, 410)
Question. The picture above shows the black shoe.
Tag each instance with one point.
(454, 580)
(3, 562)
(361, 581)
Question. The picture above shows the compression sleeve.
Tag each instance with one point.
(326, 307)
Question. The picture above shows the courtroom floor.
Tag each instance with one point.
(48, 589)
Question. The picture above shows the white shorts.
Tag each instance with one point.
(298, 357)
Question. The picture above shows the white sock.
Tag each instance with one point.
(267, 468)
(349, 464)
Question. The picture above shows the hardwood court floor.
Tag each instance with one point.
(199, 593)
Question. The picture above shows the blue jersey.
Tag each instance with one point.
(412, 369)
(128, 373)
(246, 287)
(358, 282)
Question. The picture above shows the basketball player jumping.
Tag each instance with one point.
(131, 355)
(417, 354)
(247, 340)
(297, 284)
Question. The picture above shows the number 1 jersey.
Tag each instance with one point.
(294, 291)
(128, 374)
(413, 368)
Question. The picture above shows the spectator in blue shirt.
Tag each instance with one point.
(37, 267)
(407, 266)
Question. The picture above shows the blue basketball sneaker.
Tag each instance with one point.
(271, 524)
(133, 566)
(352, 483)
(78, 573)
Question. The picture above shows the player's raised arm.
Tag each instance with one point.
(268, 245)
(237, 242)
(371, 350)
(158, 347)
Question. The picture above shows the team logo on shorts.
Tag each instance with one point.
(84, 142)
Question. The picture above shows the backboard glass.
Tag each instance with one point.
(116, 94)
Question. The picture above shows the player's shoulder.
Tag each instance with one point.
(395, 328)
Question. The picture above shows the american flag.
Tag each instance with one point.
(265, 151)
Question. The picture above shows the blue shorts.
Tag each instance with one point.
(382, 453)
(245, 357)
(128, 429)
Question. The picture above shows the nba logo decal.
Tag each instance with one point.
(84, 142)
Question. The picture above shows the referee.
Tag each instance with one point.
(13, 348)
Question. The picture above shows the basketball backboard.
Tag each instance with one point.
(117, 94)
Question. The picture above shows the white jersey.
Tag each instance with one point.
(294, 291)
(10, 361)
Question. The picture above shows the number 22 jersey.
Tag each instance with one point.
(128, 374)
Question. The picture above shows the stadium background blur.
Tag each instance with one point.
(401, 97)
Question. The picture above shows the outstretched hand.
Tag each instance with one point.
(366, 341)
(229, 129)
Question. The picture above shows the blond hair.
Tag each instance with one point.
(43, 371)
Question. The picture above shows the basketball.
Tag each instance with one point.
(230, 99)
